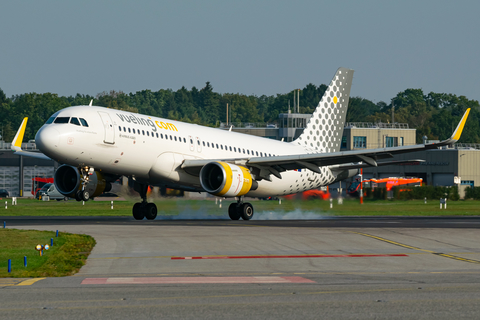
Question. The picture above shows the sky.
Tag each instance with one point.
(248, 47)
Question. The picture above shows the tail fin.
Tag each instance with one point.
(323, 132)
(18, 139)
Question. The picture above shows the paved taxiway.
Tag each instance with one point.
(331, 268)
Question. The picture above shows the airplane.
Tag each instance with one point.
(96, 145)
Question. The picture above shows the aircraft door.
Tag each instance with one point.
(109, 128)
(199, 144)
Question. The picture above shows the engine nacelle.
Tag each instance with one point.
(68, 181)
(344, 174)
(226, 179)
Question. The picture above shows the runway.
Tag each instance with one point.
(349, 268)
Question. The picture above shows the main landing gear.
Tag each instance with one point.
(143, 209)
(240, 210)
(84, 195)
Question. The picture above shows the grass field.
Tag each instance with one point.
(67, 255)
(197, 209)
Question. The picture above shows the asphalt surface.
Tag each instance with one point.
(334, 268)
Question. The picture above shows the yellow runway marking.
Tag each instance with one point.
(445, 255)
(29, 282)
(9, 282)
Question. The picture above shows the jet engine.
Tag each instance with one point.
(68, 181)
(344, 174)
(226, 179)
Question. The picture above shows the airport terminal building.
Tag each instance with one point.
(455, 165)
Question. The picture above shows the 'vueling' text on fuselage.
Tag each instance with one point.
(147, 122)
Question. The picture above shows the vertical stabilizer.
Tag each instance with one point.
(18, 139)
(324, 130)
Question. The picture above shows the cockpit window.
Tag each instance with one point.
(84, 122)
(75, 121)
(62, 120)
(50, 120)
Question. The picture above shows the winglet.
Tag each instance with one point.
(91, 102)
(17, 141)
(458, 132)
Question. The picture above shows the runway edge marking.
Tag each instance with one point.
(416, 248)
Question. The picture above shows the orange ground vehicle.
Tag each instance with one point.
(309, 195)
(389, 183)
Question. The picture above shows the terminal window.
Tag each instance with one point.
(470, 183)
(360, 142)
(344, 143)
(391, 142)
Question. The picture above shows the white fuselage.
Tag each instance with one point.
(151, 149)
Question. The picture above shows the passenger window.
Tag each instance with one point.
(248, 151)
(119, 128)
(143, 132)
(148, 134)
(129, 130)
(75, 121)
(198, 142)
(124, 129)
(184, 140)
(203, 143)
(191, 141)
(216, 145)
(62, 120)
(221, 146)
(161, 135)
(83, 122)
(208, 144)
(256, 152)
(230, 148)
(175, 138)
(243, 151)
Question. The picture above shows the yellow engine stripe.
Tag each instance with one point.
(247, 181)
(228, 178)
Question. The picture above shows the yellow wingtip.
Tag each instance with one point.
(458, 132)
(17, 141)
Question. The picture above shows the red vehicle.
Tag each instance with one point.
(309, 195)
(38, 183)
(391, 182)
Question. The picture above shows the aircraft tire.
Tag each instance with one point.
(78, 195)
(85, 195)
(247, 211)
(138, 211)
(150, 211)
(233, 213)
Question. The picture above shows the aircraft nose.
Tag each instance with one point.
(47, 139)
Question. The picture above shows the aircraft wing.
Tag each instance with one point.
(339, 160)
(17, 144)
